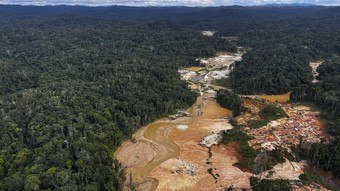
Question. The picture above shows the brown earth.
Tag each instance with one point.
(150, 148)
(221, 162)
(276, 98)
(159, 147)
(162, 157)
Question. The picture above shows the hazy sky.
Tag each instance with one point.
(164, 2)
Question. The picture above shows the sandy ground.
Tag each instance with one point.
(222, 60)
(222, 159)
(303, 124)
(221, 162)
(271, 98)
(194, 68)
(276, 98)
(144, 156)
(150, 148)
(208, 33)
(208, 117)
(156, 157)
(288, 171)
(314, 66)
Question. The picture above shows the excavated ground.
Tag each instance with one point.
(161, 152)
(169, 154)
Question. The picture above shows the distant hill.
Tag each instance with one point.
(290, 5)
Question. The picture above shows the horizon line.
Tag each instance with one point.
(160, 6)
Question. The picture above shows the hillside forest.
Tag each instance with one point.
(77, 81)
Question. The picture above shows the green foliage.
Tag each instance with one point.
(248, 157)
(72, 88)
(51, 171)
(13, 182)
(308, 178)
(223, 82)
(321, 155)
(247, 152)
(253, 160)
(234, 135)
(272, 70)
(277, 156)
(230, 100)
(2, 167)
(272, 112)
(325, 95)
(269, 185)
(230, 188)
(211, 172)
(254, 124)
(265, 160)
(32, 183)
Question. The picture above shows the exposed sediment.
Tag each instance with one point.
(181, 152)
(159, 150)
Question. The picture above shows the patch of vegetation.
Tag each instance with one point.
(210, 171)
(253, 160)
(323, 156)
(248, 157)
(247, 152)
(278, 156)
(230, 188)
(269, 185)
(234, 135)
(272, 112)
(223, 82)
(267, 114)
(210, 153)
(230, 100)
(266, 160)
(308, 178)
(254, 124)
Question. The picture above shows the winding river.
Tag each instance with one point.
(152, 145)
(157, 133)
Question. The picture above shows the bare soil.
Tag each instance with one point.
(165, 157)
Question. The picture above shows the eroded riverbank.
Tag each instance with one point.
(180, 153)
(161, 153)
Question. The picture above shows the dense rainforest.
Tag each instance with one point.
(73, 87)
(76, 81)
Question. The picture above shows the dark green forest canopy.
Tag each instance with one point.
(286, 36)
(76, 81)
(230, 100)
(73, 87)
